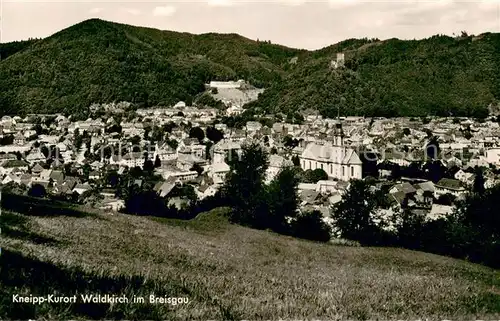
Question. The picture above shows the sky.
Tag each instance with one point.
(294, 23)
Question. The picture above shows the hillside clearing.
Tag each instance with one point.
(230, 272)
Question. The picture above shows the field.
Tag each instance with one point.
(227, 272)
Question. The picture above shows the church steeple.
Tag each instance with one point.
(338, 134)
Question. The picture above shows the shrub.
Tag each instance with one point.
(310, 226)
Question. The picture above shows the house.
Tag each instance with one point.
(218, 172)
(67, 186)
(19, 139)
(35, 156)
(94, 175)
(464, 177)
(439, 211)
(223, 149)
(338, 161)
(6, 157)
(178, 202)
(225, 84)
(108, 193)
(37, 169)
(133, 159)
(335, 198)
(326, 187)
(425, 193)
(45, 175)
(425, 188)
(81, 188)
(26, 179)
(11, 178)
(186, 160)
(493, 156)
(164, 188)
(405, 187)
(253, 126)
(276, 163)
(449, 186)
(309, 197)
(95, 165)
(165, 153)
(206, 190)
(20, 165)
(306, 187)
(182, 175)
(114, 205)
(57, 177)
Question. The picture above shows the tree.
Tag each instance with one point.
(197, 168)
(479, 182)
(214, 134)
(406, 131)
(410, 227)
(86, 170)
(434, 170)
(168, 127)
(478, 222)
(172, 143)
(290, 142)
(313, 176)
(354, 215)
(135, 140)
(156, 134)
(244, 186)
(37, 190)
(78, 139)
(197, 132)
(446, 199)
(310, 226)
(112, 178)
(157, 162)
(283, 199)
(296, 160)
(147, 131)
(148, 165)
(266, 140)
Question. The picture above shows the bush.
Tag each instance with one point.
(310, 226)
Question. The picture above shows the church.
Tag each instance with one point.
(337, 160)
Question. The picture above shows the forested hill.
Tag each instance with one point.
(436, 76)
(10, 48)
(100, 61)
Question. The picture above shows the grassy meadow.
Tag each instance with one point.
(227, 271)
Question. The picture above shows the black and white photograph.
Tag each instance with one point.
(250, 160)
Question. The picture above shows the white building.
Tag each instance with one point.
(218, 172)
(493, 156)
(276, 163)
(182, 175)
(165, 153)
(226, 84)
(337, 160)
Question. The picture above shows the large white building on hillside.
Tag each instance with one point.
(336, 159)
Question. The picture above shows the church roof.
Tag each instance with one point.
(329, 153)
(352, 158)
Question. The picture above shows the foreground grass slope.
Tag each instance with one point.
(227, 272)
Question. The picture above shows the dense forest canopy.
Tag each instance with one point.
(100, 61)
